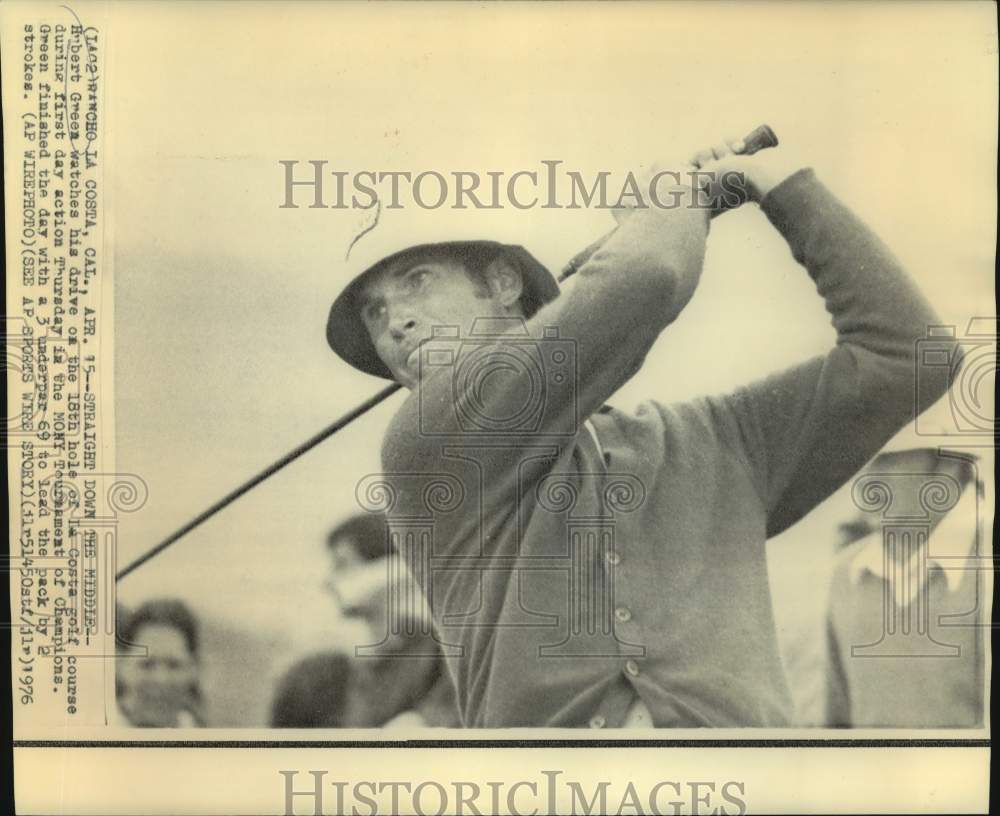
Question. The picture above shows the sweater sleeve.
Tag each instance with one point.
(838, 701)
(808, 429)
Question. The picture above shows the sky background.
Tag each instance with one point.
(221, 296)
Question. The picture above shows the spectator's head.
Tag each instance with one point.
(358, 539)
(156, 689)
(312, 693)
(358, 580)
(121, 647)
(914, 477)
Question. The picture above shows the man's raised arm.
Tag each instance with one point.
(810, 428)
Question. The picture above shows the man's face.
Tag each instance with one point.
(918, 468)
(403, 303)
(359, 586)
(160, 685)
(363, 590)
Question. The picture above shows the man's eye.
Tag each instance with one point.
(375, 313)
(416, 279)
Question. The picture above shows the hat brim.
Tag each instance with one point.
(346, 332)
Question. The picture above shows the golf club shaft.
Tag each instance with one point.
(270, 470)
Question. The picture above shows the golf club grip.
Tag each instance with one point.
(757, 139)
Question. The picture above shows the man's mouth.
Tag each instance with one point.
(354, 612)
(413, 360)
(412, 364)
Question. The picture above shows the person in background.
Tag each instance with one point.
(312, 693)
(905, 623)
(122, 614)
(403, 682)
(162, 688)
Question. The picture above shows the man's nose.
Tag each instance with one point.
(402, 325)
(159, 674)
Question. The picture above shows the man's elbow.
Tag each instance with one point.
(682, 287)
(668, 286)
(912, 370)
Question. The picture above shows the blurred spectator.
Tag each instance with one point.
(906, 630)
(312, 693)
(161, 689)
(122, 615)
(403, 681)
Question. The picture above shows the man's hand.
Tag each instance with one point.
(762, 171)
(665, 186)
(717, 178)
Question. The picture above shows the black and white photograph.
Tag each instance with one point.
(501, 407)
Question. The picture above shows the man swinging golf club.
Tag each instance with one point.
(566, 602)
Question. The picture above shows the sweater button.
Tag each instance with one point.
(597, 721)
(612, 557)
(623, 613)
(631, 668)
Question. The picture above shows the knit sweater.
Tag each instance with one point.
(569, 576)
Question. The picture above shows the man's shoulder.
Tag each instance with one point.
(410, 443)
(402, 443)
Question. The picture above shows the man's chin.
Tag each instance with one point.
(362, 615)
(156, 717)
(406, 378)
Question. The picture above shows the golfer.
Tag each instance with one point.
(685, 635)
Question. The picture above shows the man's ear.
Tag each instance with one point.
(504, 281)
